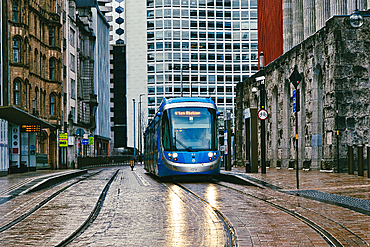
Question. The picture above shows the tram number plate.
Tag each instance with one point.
(194, 169)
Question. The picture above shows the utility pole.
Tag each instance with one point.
(263, 113)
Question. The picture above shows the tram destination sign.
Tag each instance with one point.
(30, 128)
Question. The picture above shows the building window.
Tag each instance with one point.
(16, 92)
(16, 46)
(51, 68)
(52, 104)
(72, 62)
(15, 12)
(51, 38)
(73, 91)
(72, 37)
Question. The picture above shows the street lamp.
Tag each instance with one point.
(140, 145)
(262, 104)
(356, 20)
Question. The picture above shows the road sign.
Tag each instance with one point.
(91, 140)
(262, 114)
(63, 139)
(85, 142)
(294, 100)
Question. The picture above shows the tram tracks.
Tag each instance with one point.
(325, 234)
(93, 215)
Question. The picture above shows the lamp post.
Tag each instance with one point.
(133, 102)
(262, 105)
(140, 145)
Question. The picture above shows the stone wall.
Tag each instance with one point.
(334, 63)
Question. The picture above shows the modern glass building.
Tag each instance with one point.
(199, 48)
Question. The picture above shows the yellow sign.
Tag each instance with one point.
(63, 139)
(91, 140)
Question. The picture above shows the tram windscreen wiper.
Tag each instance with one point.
(182, 144)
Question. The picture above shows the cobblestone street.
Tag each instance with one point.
(139, 210)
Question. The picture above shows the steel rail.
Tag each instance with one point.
(93, 215)
(330, 239)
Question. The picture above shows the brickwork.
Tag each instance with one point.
(34, 64)
(334, 63)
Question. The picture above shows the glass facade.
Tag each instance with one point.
(200, 48)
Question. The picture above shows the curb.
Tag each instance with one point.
(54, 180)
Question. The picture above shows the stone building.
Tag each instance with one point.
(34, 82)
(334, 64)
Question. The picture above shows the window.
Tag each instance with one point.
(16, 92)
(72, 113)
(150, 24)
(73, 89)
(150, 3)
(52, 104)
(16, 45)
(72, 62)
(15, 12)
(51, 37)
(72, 38)
(51, 68)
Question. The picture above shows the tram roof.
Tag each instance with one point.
(184, 99)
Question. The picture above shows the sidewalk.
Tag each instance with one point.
(336, 188)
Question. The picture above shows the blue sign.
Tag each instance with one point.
(85, 142)
(294, 101)
(80, 132)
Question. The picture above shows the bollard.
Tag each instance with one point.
(368, 161)
(350, 160)
(360, 153)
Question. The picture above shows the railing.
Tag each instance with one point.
(86, 162)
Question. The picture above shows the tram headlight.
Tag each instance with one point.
(174, 155)
(210, 154)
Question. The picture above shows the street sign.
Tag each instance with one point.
(91, 140)
(63, 139)
(225, 141)
(85, 142)
(80, 132)
(262, 114)
(294, 100)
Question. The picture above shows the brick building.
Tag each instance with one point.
(34, 84)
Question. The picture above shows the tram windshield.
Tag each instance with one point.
(189, 129)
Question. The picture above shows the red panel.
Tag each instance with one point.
(270, 28)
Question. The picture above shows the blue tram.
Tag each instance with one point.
(182, 138)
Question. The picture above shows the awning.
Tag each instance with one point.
(17, 116)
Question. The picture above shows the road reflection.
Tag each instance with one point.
(176, 217)
(211, 195)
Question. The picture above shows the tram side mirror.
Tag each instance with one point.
(218, 113)
(159, 114)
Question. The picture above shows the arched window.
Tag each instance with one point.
(51, 69)
(16, 92)
(52, 104)
(16, 55)
(15, 12)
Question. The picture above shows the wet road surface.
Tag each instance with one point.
(139, 210)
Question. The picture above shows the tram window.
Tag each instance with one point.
(166, 132)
